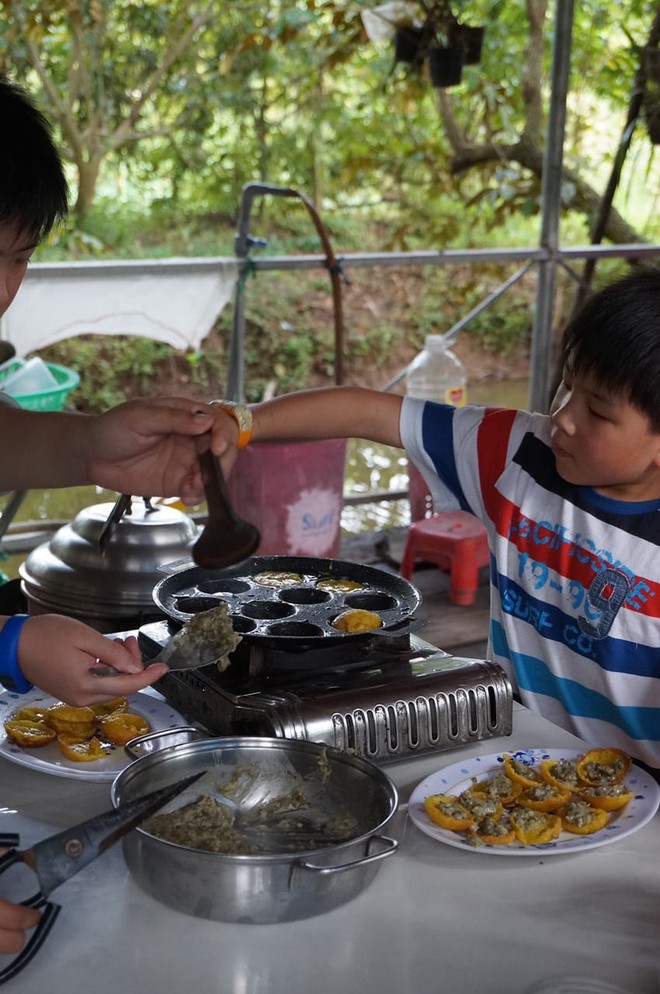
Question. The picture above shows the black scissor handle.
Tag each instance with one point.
(8, 859)
(50, 911)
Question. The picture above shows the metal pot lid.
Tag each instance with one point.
(70, 569)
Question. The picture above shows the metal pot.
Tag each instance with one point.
(114, 590)
(267, 888)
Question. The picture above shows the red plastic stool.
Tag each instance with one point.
(457, 542)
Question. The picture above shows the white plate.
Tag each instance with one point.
(49, 759)
(454, 779)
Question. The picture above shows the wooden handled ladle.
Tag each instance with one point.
(226, 538)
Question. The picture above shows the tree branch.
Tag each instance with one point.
(529, 155)
(527, 151)
(453, 132)
(604, 209)
(183, 41)
(530, 82)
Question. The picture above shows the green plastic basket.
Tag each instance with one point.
(46, 400)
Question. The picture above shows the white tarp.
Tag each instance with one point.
(176, 301)
(381, 23)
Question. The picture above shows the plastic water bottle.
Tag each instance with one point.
(436, 374)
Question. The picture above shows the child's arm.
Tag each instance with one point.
(58, 654)
(335, 412)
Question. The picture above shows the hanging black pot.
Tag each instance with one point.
(471, 39)
(445, 65)
(652, 118)
(651, 59)
(651, 111)
(409, 45)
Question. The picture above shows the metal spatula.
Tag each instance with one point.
(226, 539)
(207, 638)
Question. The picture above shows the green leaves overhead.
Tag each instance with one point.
(186, 100)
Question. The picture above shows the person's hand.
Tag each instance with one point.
(148, 448)
(15, 920)
(59, 655)
(224, 437)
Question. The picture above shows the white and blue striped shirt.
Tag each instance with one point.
(575, 576)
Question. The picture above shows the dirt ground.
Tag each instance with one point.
(397, 298)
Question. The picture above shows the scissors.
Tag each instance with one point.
(61, 856)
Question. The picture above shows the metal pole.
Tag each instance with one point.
(236, 370)
(243, 242)
(551, 208)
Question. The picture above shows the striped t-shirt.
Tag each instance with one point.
(575, 576)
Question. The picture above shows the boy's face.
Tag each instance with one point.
(601, 440)
(15, 251)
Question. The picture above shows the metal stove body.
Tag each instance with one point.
(383, 698)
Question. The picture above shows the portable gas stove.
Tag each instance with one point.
(383, 697)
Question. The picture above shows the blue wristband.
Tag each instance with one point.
(11, 677)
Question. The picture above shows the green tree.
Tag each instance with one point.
(203, 96)
(510, 111)
(111, 72)
(332, 106)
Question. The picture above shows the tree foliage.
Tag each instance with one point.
(190, 99)
(111, 73)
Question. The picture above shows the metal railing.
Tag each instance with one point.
(540, 258)
(565, 258)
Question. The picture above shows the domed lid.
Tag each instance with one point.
(70, 571)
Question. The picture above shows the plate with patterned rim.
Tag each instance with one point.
(49, 759)
(454, 779)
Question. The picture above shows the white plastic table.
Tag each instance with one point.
(435, 919)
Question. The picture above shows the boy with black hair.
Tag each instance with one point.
(571, 502)
(141, 447)
(33, 193)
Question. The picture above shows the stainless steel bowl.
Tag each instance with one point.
(70, 575)
(272, 887)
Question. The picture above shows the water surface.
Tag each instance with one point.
(371, 467)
